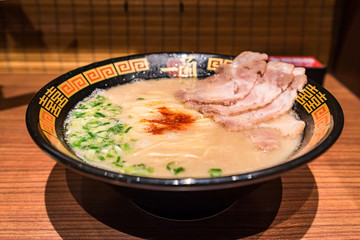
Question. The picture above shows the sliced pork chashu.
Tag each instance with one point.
(280, 105)
(264, 110)
(275, 80)
(288, 125)
(266, 135)
(218, 88)
(229, 83)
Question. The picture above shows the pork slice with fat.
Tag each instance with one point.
(266, 139)
(276, 79)
(266, 135)
(229, 83)
(218, 88)
(247, 59)
(287, 124)
(277, 107)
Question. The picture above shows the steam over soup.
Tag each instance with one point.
(142, 128)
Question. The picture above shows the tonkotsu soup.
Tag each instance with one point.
(141, 128)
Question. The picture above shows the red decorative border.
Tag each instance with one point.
(131, 66)
(47, 121)
(73, 85)
(100, 73)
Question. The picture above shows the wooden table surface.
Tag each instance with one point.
(40, 199)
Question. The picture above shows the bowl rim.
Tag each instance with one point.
(188, 183)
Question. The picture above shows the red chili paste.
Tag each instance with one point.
(170, 120)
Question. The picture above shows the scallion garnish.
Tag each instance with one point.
(93, 124)
(79, 114)
(91, 134)
(171, 167)
(139, 169)
(99, 114)
(128, 129)
(101, 98)
(126, 147)
(215, 172)
(83, 107)
(116, 128)
(95, 103)
(78, 143)
(97, 134)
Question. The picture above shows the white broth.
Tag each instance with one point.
(141, 128)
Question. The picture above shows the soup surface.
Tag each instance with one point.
(141, 128)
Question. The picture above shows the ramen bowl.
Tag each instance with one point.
(177, 198)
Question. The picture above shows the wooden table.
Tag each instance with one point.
(39, 199)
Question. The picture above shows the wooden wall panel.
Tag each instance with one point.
(344, 63)
(56, 36)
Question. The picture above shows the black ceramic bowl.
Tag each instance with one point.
(177, 198)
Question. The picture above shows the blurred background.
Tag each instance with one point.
(55, 36)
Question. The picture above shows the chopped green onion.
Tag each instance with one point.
(93, 124)
(126, 147)
(128, 129)
(99, 114)
(215, 172)
(79, 114)
(119, 163)
(101, 98)
(91, 134)
(140, 98)
(82, 107)
(78, 143)
(95, 103)
(98, 130)
(139, 169)
(171, 167)
(116, 128)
